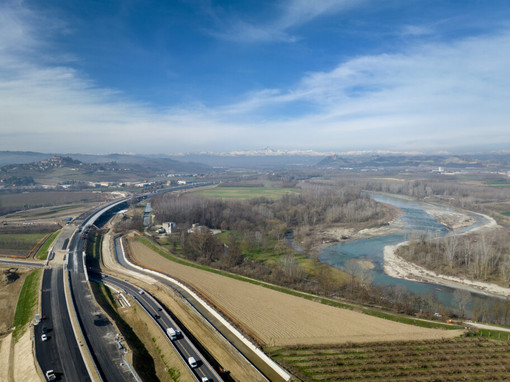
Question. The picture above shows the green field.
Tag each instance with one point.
(461, 359)
(27, 303)
(19, 243)
(506, 213)
(42, 253)
(245, 192)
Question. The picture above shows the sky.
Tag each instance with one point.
(162, 77)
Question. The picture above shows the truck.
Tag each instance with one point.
(50, 375)
(172, 333)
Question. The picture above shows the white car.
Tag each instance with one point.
(192, 362)
(44, 337)
(205, 379)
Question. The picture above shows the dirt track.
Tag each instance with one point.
(280, 319)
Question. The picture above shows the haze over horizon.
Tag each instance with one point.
(192, 76)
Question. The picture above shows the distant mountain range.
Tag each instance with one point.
(268, 158)
(471, 161)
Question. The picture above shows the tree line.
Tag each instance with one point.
(479, 256)
(259, 225)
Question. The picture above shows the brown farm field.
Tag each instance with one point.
(48, 198)
(460, 359)
(279, 319)
(11, 282)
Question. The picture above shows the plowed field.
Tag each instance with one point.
(279, 319)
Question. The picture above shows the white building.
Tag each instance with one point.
(168, 226)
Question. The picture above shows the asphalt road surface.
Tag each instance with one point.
(183, 345)
(98, 331)
(263, 368)
(60, 352)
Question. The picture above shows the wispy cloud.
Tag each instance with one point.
(290, 14)
(437, 94)
(431, 96)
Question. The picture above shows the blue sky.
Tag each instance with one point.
(198, 75)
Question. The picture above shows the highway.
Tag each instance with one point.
(60, 352)
(98, 331)
(251, 356)
(183, 344)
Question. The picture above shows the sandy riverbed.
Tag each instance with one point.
(397, 267)
(456, 220)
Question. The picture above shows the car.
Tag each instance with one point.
(156, 316)
(50, 375)
(44, 329)
(44, 337)
(192, 362)
(205, 379)
(141, 291)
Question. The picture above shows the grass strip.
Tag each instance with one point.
(27, 303)
(492, 334)
(42, 253)
(409, 320)
(322, 300)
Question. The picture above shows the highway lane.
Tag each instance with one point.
(183, 344)
(98, 331)
(60, 352)
(251, 356)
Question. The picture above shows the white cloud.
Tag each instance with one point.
(448, 95)
(433, 96)
(292, 14)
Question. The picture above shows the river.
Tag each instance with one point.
(413, 219)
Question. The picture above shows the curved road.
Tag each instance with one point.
(98, 331)
(183, 345)
(251, 356)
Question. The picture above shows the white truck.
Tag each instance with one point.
(50, 375)
(172, 333)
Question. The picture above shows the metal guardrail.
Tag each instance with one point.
(202, 358)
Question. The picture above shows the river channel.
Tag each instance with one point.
(413, 219)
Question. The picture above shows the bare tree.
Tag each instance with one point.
(450, 246)
(461, 297)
